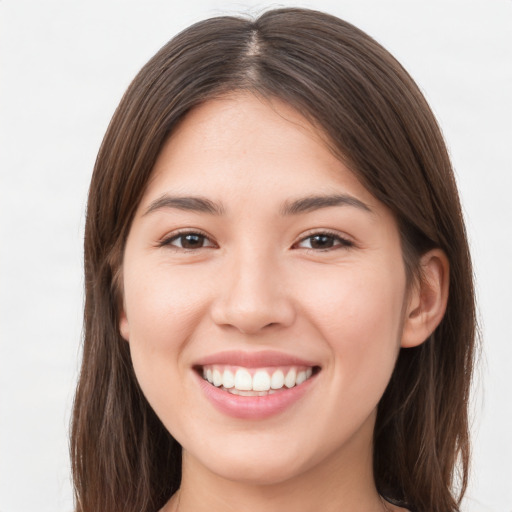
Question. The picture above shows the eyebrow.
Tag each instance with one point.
(295, 207)
(311, 203)
(194, 204)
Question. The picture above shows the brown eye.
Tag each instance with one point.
(189, 241)
(192, 241)
(323, 241)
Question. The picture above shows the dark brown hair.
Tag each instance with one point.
(379, 124)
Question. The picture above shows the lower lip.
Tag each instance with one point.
(254, 407)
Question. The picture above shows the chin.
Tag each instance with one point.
(256, 464)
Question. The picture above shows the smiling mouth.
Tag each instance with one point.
(256, 381)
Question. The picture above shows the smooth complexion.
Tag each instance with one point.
(230, 261)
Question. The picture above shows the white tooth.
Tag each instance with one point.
(277, 381)
(243, 380)
(228, 379)
(234, 391)
(301, 377)
(290, 378)
(261, 381)
(309, 372)
(217, 378)
(248, 393)
(209, 375)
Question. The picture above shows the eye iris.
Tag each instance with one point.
(321, 241)
(192, 241)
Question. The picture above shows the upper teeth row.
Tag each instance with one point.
(262, 380)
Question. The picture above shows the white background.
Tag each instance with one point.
(64, 66)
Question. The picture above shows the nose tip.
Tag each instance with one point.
(253, 302)
(252, 320)
(252, 317)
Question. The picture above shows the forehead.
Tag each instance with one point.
(241, 145)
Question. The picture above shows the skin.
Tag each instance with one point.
(258, 282)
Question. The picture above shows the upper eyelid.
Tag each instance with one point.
(328, 232)
(342, 242)
(167, 239)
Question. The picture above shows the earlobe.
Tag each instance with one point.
(124, 327)
(427, 299)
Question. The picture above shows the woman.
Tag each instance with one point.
(279, 302)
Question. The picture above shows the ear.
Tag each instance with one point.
(427, 299)
(124, 327)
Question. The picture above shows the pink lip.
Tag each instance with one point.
(253, 407)
(261, 359)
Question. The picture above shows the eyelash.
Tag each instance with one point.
(339, 241)
(167, 242)
(342, 243)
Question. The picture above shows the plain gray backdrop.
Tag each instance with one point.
(64, 66)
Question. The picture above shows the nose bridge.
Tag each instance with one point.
(253, 293)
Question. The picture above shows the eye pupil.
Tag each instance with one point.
(321, 241)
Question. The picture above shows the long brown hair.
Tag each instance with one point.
(379, 124)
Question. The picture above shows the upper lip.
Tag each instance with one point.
(259, 359)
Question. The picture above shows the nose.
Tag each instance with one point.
(252, 296)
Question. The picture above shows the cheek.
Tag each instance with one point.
(359, 314)
(163, 309)
(161, 305)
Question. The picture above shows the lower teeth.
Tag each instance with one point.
(235, 391)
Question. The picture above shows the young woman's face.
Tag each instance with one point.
(258, 261)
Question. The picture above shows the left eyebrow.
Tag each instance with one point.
(311, 203)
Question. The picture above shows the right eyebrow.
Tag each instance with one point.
(189, 203)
